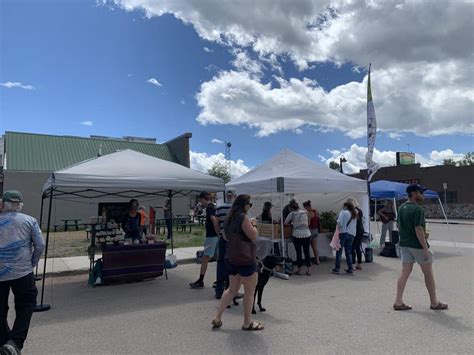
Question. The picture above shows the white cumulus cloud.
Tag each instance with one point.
(16, 84)
(355, 157)
(203, 162)
(208, 50)
(153, 81)
(217, 141)
(422, 54)
(407, 99)
(87, 123)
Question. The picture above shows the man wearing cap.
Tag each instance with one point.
(21, 246)
(414, 247)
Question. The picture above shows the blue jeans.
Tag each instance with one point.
(222, 275)
(346, 240)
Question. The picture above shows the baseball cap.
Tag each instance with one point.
(12, 196)
(415, 187)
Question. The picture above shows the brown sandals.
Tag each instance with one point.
(440, 306)
(254, 325)
(216, 323)
(402, 307)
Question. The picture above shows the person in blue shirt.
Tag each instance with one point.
(347, 223)
(21, 247)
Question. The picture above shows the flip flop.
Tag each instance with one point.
(440, 306)
(254, 326)
(402, 307)
(216, 323)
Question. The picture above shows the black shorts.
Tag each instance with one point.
(242, 270)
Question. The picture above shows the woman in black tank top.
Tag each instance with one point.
(240, 232)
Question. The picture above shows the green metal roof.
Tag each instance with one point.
(38, 152)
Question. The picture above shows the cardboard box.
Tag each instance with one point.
(265, 230)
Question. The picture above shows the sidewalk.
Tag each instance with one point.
(80, 264)
(468, 222)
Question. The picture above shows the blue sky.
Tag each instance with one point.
(89, 61)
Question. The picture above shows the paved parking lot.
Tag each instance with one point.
(322, 313)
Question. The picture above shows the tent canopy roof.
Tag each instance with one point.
(298, 175)
(389, 189)
(129, 170)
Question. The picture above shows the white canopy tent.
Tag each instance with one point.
(126, 174)
(290, 175)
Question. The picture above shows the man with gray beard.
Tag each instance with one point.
(21, 246)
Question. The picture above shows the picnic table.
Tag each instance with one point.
(179, 221)
(67, 223)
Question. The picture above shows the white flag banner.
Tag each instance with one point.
(371, 133)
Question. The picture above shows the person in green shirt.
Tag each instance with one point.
(414, 247)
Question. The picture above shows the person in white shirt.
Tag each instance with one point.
(347, 223)
(301, 235)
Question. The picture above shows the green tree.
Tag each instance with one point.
(467, 160)
(220, 170)
(335, 166)
(449, 162)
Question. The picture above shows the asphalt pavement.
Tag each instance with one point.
(317, 314)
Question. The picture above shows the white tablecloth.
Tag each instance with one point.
(264, 246)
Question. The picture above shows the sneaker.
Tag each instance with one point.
(335, 271)
(349, 272)
(197, 284)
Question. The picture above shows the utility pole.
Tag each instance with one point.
(228, 145)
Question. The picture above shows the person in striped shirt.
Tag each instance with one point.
(221, 214)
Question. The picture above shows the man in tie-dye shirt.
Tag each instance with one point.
(21, 246)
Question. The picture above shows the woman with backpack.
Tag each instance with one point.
(347, 224)
(240, 232)
(357, 244)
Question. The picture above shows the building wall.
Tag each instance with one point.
(30, 184)
(180, 148)
(460, 192)
(458, 178)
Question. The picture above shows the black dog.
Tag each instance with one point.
(264, 273)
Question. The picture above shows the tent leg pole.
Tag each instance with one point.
(447, 222)
(45, 307)
(170, 196)
(37, 278)
(282, 275)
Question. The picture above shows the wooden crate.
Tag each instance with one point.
(265, 230)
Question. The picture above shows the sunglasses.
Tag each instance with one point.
(250, 204)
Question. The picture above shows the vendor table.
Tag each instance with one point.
(122, 262)
(133, 262)
(264, 246)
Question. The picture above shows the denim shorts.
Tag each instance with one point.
(412, 255)
(210, 246)
(245, 270)
(314, 233)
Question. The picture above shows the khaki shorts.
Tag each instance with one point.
(412, 255)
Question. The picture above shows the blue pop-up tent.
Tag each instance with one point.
(390, 190)
(384, 189)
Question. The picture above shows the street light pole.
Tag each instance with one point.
(342, 160)
(445, 187)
